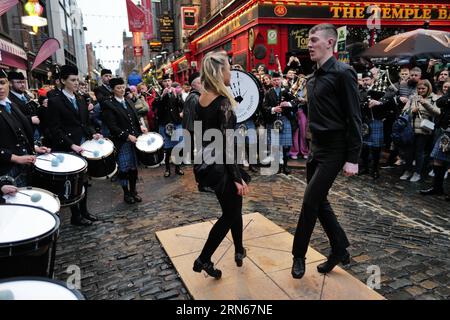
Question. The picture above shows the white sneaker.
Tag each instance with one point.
(416, 177)
(406, 175)
(431, 173)
(294, 157)
(246, 164)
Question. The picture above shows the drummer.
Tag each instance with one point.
(68, 119)
(122, 120)
(16, 138)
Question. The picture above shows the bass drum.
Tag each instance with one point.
(100, 157)
(248, 93)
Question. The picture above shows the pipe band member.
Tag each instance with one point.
(68, 120)
(122, 120)
(335, 124)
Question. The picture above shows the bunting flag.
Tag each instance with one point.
(147, 4)
(5, 5)
(136, 17)
(49, 47)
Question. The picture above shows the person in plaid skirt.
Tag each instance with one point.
(122, 120)
(373, 116)
(277, 106)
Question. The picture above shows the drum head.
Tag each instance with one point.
(246, 90)
(48, 201)
(104, 150)
(21, 223)
(150, 142)
(36, 289)
(70, 164)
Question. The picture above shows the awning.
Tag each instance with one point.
(12, 55)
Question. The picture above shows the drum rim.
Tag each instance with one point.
(149, 134)
(39, 238)
(102, 157)
(68, 172)
(55, 196)
(76, 292)
(260, 90)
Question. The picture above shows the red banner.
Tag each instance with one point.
(189, 18)
(138, 51)
(136, 17)
(5, 5)
(49, 47)
(147, 5)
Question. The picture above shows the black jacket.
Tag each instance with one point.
(168, 109)
(443, 121)
(333, 105)
(53, 93)
(11, 141)
(121, 122)
(271, 100)
(102, 94)
(66, 125)
(189, 107)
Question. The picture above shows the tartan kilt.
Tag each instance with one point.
(20, 175)
(376, 136)
(127, 158)
(438, 154)
(286, 135)
(168, 143)
(252, 136)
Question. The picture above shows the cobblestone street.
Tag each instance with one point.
(388, 223)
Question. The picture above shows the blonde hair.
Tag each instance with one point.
(211, 74)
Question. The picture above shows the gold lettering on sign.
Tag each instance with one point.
(443, 14)
(335, 11)
(359, 14)
(427, 13)
(386, 12)
(347, 12)
(397, 13)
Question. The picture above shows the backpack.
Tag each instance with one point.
(402, 130)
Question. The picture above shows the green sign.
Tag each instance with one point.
(272, 36)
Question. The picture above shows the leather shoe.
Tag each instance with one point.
(238, 257)
(286, 170)
(298, 268)
(128, 198)
(333, 261)
(179, 172)
(136, 197)
(205, 189)
(88, 216)
(208, 267)
(167, 174)
(431, 191)
(80, 221)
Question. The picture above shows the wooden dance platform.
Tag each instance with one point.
(266, 272)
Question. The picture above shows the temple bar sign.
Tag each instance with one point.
(390, 13)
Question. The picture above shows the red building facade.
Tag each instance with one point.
(255, 32)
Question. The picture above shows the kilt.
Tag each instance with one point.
(252, 136)
(376, 136)
(127, 158)
(285, 137)
(20, 174)
(168, 143)
(438, 154)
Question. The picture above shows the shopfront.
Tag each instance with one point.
(13, 57)
(259, 31)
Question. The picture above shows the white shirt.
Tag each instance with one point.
(120, 100)
(68, 95)
(4, 102)
(18, 95)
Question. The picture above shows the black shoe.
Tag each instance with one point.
(431, 191)
(89, 216)
(167, 174)
(208, 267)
(128, 198)
(332, 262)
(298, 268)
(136, 197)
(253, 169)
(178, 171)
(80, 221)
(375, 175)
(238, 257)
(205, 189)
(286, 170)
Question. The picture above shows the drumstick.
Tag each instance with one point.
(43, 159)
(35, 197)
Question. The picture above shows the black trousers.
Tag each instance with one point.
(80, 208)
(231, 204)
(322, 168)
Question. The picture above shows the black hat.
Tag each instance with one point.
(106, 71)
(367, 74)
(115, 82)
(14, 75)
(276, 75)
(67, 71)
(166, 77)
(3, 74)
(193, 76)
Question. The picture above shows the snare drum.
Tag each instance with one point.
(100, 158)
(48, 200)
(34, 288)
(27, 241)
(149, 147)
(65, 180)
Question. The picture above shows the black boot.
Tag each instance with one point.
(167, 163)
(298, 268)
(238, 257)
(179, 171)
(127, 197)
(133, 191)
(438, 182)
(333, 261)
(84, 211)
(208, 267)
(77, 219)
